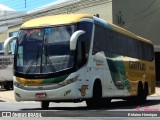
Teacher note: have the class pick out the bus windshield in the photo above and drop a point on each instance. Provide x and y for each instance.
(44, 50)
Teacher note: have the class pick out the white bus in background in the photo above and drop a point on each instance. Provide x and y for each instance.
(6, 66)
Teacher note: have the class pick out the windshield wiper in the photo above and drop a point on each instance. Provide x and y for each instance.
(48, 59)
(35, 60)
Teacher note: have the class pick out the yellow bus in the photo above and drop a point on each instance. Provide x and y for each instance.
(79, 57)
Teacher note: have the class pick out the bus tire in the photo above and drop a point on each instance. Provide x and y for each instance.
(11, 85)
(105, 102)
(96, 100)
(140, 95)
(44, 104)
(8, 85)
(145, 91)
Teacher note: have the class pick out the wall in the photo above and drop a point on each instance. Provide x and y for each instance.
(3, 36)
(139, 16)
(104, 9)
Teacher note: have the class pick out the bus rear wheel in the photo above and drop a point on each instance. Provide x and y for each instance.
(145, 92)
(140, 98)
(44, 104)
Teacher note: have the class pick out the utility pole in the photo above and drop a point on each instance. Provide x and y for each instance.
(25, 4)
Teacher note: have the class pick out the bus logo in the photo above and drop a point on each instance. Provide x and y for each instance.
(137, 66)
(98, 62)
(83, 89)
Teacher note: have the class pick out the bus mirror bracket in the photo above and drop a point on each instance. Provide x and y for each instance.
(6, 44)
(74, 38)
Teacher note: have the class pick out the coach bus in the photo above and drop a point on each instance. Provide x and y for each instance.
(79, 57)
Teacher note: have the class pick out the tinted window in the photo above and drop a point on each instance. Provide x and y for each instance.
(111, 41)
(87, 27)
(99, 40)
(1, 46)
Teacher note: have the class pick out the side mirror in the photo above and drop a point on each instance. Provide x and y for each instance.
(6, 44)
(74, 38)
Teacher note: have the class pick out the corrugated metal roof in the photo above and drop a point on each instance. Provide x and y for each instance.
(53, 5)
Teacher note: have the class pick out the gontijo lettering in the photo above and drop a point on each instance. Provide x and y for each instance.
(137, 66)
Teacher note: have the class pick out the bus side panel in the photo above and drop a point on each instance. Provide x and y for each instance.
(118, 73)
(140, 70)
(98, 69)
(126, 72)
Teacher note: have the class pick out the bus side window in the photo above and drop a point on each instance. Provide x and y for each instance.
(99, 40)
(81, 54)
(87, 27)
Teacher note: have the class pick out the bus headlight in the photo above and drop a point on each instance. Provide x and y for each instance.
(16, 84)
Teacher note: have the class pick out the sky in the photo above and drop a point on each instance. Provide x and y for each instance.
(19, 5)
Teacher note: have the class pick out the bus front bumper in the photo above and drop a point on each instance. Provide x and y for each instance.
(68, 92)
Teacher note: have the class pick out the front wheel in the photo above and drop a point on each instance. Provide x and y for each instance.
(96, 100)
(44, 104)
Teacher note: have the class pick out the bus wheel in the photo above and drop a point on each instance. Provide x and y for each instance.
(106, 102)
(96, 100)
(44, 104)
(8, 85)
(11, 85)
(145, 92)
(140, 95)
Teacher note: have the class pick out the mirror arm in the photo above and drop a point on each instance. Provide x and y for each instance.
(6, 44)
(74, 38)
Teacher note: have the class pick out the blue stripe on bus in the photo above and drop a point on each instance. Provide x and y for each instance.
(102, 23)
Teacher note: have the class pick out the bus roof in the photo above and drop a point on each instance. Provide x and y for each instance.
(128, 33)
(54, 20)
(73, 18)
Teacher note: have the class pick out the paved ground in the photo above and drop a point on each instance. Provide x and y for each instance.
(7, 96)
(72, 111)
